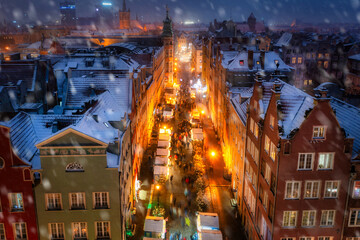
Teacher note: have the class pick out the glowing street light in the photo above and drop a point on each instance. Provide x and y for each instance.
(213, 154)
(158, 193)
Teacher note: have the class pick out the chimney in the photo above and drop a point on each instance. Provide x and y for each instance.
(262, 59)
(322, 95)
(277, 86)
(54, 127)
(250, 59)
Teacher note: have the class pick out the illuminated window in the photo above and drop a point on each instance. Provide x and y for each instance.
(16, 202)
(331, 189)
(325, 238)
(53, 201)
(306, 238)
(272, 121)
(20, 231)
(326, 161)
(310, 82)
(56, 231)
(319, 132)
(305, 161)
(256, 130)
(356, 191)
(101, 200)
(241, 62)
(292, 190)
(308, 218)
(252, 125)
(293, 60)
(267, 144)
(312, 189)
(79, 230)
(327, 218)
(289, 218)
(320, 55)
(299, 60)
(326, 64)
(102, 230)
(77, 201)
(268, 173)
(272, 151)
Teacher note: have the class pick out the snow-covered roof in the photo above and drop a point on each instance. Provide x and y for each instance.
(348, 117)
(115, 63)
(284, 40)
(355, 57)
(293, 103)
(81, 89)
(240, 62)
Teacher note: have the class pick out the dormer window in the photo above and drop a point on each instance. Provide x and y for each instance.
(241, 62)
(319, 132)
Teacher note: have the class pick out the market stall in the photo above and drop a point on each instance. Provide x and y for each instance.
(164, 144)
(161, 161)
(161, 173)
(154, 227)
(162, 152)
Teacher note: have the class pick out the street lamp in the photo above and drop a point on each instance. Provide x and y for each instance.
(158, 193)
(213, 153)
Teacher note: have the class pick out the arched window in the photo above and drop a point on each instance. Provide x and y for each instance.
(2, 163)
(74, 167)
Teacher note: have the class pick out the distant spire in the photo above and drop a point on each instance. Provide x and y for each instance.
(124, 6)
(167, 11)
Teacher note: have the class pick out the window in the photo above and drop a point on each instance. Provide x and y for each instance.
(319, 132)
(56, 231)
(251, 125)
(102, 230)
(2, 163)
(353, 238)
(306, 238)
(305, 161)
(325, 238)
(292, 190)
(312, 189)
(354, 218)
(331, 189)
(53, 201)
(267, 144)
(326, 64)
(77, 200)
(308, 218)
(74, 167)
(20, 231)
(256, 130)
(288, 238)
(265, 200)
(241, 62)
(299, 60)
(356, 190)
(272, 151)
(327, 217)
(293, 60)
(268, 173)
(272, 121)
(16, 202)
(2, 232)
(310, 82)
(289, 218)
(79, 230)
(101, 200)
(326, 161)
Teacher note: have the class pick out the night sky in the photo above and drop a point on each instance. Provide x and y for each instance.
(281, 11)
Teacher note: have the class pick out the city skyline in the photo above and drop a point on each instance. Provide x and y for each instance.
(282, 12)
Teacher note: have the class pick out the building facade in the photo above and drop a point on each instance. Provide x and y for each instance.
(297, 165)
(124, 17)
(17, 203)
(78, 196)
(168, 41)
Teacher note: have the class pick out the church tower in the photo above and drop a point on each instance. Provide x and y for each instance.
(168, 41)
(124, 17)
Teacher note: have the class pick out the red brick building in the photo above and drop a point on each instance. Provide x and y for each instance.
(17, 205)
(297, 167)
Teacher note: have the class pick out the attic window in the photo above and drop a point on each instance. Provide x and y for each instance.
(241, 62)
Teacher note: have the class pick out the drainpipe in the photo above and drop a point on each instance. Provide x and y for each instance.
(275, 190)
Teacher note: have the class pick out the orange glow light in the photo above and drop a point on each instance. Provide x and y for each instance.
(213, 154)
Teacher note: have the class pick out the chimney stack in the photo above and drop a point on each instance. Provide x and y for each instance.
(262, 59)
(250, 59)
